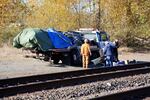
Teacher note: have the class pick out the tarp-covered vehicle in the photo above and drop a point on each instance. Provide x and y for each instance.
(54, 44)
(33, 38)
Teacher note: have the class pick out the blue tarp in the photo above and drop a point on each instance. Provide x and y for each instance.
(58, 39)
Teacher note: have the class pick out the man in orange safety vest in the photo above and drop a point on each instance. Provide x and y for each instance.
(86, 53)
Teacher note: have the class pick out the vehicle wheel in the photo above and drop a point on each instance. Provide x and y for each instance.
(66, 60)
(56, 61)
(75, 57)
(46, 58)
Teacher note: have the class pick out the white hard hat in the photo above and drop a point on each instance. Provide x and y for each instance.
(86, 40)
(116, 40)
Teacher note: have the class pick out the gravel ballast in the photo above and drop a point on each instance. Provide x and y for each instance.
(86, 91)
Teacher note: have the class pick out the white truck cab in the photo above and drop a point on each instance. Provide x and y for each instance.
(94, 35)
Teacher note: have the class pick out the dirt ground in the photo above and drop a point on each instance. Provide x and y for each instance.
(14, 64)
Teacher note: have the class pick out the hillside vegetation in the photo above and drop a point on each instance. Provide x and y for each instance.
(126, 20)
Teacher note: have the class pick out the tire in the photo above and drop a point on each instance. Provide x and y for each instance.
(56, 61)
(66, 60)
(75, 57)
(46, 58)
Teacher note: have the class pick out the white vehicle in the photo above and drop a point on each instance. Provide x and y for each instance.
(99, 37)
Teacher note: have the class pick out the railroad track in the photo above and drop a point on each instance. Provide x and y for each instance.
(132, 94)
(28, 84)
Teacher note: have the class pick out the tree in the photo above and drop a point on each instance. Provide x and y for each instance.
(126, 20)
(52, 13)
(10, 18)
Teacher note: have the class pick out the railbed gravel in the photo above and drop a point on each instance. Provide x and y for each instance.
(86, 91)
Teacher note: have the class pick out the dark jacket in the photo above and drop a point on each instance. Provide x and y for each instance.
(108, 49)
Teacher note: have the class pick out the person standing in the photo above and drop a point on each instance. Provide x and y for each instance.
(86, 53)
(116, 50)
(108, 52)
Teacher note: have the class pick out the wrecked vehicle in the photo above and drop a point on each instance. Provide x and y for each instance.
(58, 46)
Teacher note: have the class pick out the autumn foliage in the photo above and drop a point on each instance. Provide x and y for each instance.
(126, 20)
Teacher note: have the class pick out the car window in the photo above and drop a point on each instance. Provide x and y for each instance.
(104, 37)
(90, 36)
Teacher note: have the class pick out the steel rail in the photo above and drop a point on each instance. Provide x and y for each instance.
(132, 94)
(70, 81)
(62, 75)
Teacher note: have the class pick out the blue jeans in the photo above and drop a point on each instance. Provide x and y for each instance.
(109, 61)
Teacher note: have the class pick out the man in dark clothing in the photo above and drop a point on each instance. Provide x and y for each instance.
(116, 43)
(108, 52)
